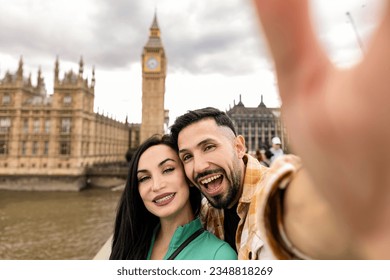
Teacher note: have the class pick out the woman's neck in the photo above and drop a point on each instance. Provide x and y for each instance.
(167, 229)
(170, 224)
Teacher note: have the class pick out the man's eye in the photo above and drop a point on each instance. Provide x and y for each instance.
(186, 157)
(209, 147)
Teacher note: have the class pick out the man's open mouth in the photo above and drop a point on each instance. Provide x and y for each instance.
(212, 184)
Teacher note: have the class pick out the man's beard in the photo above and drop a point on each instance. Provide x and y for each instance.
(223, 201)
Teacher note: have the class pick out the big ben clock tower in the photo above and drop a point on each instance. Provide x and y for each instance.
(154, 65)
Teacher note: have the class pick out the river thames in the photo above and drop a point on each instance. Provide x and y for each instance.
(55, 225)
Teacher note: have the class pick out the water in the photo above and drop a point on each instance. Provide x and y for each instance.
(55, 225)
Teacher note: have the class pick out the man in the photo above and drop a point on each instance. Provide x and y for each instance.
(338, 204)
(237, 186)
(276, 148)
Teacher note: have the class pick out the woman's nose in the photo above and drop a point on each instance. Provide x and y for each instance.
(157, 185)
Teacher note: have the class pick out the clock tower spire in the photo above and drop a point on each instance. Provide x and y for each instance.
(154, 65)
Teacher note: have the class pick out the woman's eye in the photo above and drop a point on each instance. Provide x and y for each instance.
(168, 170)
(143, 179)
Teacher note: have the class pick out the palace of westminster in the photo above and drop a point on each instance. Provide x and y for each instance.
(52, 139)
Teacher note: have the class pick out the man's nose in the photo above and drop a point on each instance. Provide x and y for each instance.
(200, 165)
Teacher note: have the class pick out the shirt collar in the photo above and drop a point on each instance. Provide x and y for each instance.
(180, 235)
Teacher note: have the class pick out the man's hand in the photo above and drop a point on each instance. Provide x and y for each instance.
(338, 120)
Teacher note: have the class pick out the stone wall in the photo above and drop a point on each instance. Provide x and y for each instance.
(43, 183)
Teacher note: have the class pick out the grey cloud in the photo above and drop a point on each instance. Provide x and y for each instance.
(207, 37)
(193, 42)
(220, 40)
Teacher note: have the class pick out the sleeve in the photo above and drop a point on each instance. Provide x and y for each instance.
(279, 177)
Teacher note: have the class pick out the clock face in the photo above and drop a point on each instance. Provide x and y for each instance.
(152, 63)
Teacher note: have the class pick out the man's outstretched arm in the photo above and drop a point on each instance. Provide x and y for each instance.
(339, 123)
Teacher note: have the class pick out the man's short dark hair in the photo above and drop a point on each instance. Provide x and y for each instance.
(192, 116)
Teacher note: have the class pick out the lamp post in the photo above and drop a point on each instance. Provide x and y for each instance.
(355, 30)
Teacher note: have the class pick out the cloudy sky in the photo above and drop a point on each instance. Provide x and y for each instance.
(215, 49)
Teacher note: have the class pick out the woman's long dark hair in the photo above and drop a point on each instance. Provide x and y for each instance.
(134, 224)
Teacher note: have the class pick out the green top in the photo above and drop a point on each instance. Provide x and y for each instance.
(205, 247)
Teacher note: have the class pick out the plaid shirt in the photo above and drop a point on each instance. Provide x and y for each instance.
(260, 233)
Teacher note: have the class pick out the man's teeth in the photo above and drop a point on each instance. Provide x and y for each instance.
(164, 198)
(208, 180)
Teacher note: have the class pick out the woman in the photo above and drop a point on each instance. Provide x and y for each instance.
(264, 156)
(158, 210)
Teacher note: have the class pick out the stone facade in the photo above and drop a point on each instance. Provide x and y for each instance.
(54, 136)
(258, 125)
